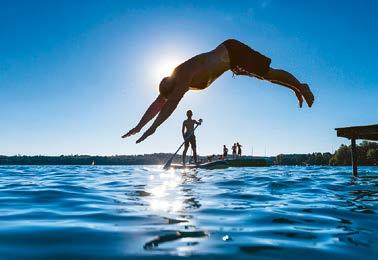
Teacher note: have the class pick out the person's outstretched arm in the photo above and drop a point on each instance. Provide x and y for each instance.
(183, 129)
(165, 112)
(151, 112)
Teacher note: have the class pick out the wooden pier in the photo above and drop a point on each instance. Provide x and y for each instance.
(369, 132)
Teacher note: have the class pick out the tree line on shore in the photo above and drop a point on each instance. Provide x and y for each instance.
(145, 159)
(367, 153)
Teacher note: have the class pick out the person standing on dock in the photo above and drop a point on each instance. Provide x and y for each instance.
(200, 71)
(225, 151)
(189, 137)
(239, 149)
(234, 151)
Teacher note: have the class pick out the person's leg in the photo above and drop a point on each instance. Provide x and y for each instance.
(194, 148)
(246, 61)
(184, 153)
(286, 79)
(195, 154)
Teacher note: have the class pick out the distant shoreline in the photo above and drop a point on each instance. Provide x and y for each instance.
(145, 159)
(367, 156)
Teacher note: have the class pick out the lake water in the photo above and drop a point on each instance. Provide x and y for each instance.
(143, 211)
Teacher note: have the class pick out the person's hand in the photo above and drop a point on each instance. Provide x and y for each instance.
(133, 131)
(146, 134)
(200, 121)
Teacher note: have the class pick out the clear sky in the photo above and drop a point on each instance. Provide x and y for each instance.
(76, 75)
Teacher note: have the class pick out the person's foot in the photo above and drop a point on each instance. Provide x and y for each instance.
(133, 131)
(307, 94)
(299, 97)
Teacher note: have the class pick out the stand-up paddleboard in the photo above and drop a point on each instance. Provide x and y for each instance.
(221, 164)
(208, 165)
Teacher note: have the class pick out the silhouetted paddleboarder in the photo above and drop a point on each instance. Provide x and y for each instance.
(200, 71)
(189, 137)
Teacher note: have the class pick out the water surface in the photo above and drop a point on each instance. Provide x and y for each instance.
(142, 211)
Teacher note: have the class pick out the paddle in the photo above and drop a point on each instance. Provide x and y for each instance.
(169, 162)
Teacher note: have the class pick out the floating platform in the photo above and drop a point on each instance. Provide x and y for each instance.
(251, 162)
(222, 164)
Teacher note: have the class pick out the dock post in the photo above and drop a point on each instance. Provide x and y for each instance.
(354, 157)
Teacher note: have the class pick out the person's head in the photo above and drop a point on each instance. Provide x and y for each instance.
(166, 86)
(189, 113)
(224, 146)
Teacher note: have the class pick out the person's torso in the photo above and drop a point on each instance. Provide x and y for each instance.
(206, 67)
(189, 126)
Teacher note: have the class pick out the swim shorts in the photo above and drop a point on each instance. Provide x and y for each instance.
(191, 140)
(246, 61)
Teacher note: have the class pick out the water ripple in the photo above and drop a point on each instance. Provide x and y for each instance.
(139, 211)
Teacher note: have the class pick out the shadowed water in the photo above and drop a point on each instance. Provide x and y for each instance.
(140, 211)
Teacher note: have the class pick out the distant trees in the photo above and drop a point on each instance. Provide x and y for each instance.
(367, 153)
(303, 159)
(342, 156)
(146, 159)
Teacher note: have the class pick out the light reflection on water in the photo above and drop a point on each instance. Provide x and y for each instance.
(165, 193)
(124, 211)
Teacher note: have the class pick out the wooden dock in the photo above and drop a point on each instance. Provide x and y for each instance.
(368, 132)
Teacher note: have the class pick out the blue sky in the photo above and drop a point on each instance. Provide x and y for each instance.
(76, 75)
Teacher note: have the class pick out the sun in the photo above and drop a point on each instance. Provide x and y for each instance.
(164, 67)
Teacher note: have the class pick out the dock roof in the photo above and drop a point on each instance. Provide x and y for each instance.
(368, 132)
